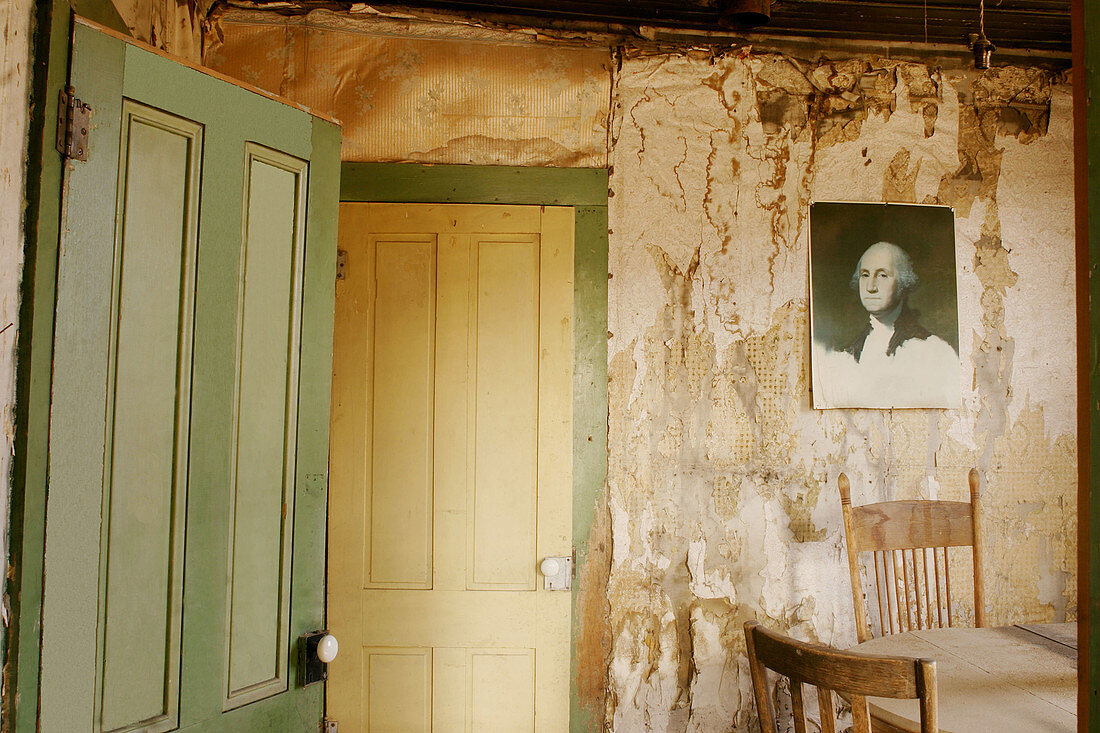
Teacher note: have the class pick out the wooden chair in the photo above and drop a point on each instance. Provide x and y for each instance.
(830, 670)
(900, 534)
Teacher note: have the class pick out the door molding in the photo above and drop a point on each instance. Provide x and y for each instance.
(585, 189)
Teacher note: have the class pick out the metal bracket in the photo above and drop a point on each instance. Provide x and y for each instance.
(329, 726)
(73, 123)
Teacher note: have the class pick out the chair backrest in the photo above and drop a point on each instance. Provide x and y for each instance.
(901, 535)
(853, 675)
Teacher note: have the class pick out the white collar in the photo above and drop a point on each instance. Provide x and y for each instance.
(886, 320)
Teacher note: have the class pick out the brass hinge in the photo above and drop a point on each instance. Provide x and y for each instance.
(73, 121)
(329, 726)
(341, 264)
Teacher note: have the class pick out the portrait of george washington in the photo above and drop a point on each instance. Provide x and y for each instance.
(883, 306)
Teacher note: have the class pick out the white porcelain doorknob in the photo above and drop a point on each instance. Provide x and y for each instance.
(549, 567)
(327, 648)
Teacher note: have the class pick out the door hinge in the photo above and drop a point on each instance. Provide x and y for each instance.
(73, 122)
(329, 726)
(341, 264)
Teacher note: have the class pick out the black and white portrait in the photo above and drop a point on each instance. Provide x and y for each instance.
(883, 306)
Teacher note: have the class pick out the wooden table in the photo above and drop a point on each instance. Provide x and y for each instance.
(1008, 679)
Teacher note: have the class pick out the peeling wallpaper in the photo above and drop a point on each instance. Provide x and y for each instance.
(423, 93)
(175, 26)
(721, 479)
(721, 502)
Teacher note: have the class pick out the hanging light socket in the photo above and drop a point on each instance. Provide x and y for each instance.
(982, 49)
(740, 14)
(979, 44)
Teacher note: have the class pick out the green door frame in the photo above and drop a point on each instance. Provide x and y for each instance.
(34, 352)
(585, 189)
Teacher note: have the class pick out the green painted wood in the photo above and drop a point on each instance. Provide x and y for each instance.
(34, 347)
(484, 184)
(149, 369)
(262, 505)
(315, 387)
(585, 189)
(301, 710)
(589, 411)
(69, 666)
(232, 119)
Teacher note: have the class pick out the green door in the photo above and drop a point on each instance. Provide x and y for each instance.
(185, 521)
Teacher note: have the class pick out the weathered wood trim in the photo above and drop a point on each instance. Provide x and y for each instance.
(1086, 144)
(472, 184)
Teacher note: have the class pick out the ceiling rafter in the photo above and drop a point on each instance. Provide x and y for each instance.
(1040, 26)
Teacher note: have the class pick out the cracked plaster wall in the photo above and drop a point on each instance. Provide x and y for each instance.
(17, 22)
(721, 500)
(428, 92)
(721, 479)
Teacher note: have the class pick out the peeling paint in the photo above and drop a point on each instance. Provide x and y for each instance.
(721, 478)
(16, 20)
(593, 614)
(721, 503)
(176, 26)
(427, 92)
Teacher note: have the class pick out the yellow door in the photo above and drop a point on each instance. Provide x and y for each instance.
(451, 468)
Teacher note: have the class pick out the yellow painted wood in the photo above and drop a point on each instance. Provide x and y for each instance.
(451, 218)
(502, 690)
(398, 689)
(399, 549)
(450, 691)
(452, 381)
(503, 344)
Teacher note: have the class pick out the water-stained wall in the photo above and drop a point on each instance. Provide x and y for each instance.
(175, 26)
(722, 480)
(721, 502)
(428, 92)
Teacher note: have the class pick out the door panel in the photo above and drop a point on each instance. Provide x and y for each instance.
(504, 347)
(398, 688)
(184, 439)
(262, 500)
(144, 484)
(451, 461)
(399, 545)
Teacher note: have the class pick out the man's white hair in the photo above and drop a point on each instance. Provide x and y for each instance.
(903, 264)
